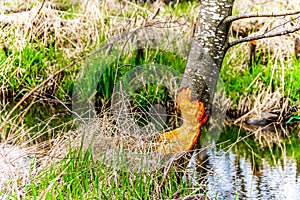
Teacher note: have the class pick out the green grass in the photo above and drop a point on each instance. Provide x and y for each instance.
(149, 92)
(242, 83)
(183, 8)
(28, 68)
(80, 177)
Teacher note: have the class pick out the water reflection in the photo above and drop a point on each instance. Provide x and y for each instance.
(233, 173)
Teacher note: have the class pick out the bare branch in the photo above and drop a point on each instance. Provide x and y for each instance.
(262, 36)
(230, 19)
(289, 21)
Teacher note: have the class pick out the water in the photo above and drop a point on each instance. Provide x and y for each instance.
(242, 172)
(231, 175)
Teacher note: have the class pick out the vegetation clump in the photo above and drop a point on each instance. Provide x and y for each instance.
(51, 40)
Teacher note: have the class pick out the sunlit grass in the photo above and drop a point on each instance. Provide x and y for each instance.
(79, 176)
(82, 177)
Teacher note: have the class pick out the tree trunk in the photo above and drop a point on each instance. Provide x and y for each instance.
(208, 50)
(204, 63)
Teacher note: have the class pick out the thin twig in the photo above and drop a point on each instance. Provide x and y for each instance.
(289, 21)
(38, 12)
(262, 36)
(156, 13)
(230, 19)
(72, 112)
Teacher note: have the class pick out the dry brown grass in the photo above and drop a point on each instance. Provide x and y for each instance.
(75, 33)
(266, 102)
(48, 26)
(81, 32)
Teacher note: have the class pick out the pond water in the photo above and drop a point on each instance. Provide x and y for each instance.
(241, 165)
(233, 174)
(248, 170)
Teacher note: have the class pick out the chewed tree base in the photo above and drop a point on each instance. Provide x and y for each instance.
(185, 137)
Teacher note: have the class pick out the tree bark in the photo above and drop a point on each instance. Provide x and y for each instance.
(208, 50)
